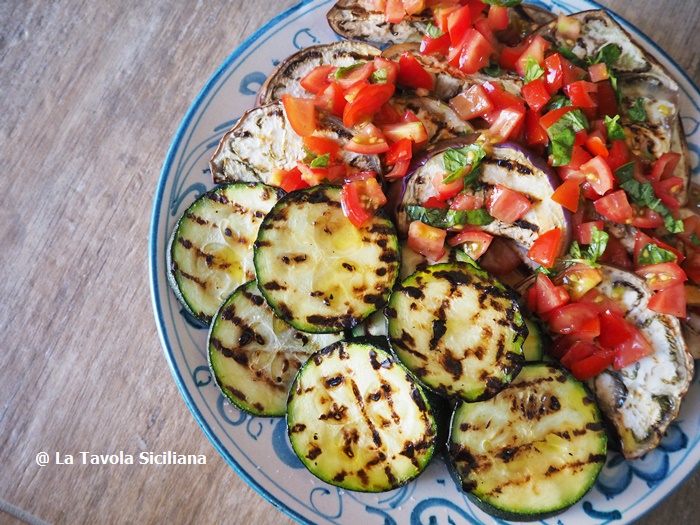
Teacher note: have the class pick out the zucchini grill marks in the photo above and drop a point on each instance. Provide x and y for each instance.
(458, 330)
(210, 252)
(532, 450)
(254, 355)
(319, 272)
(358, 420)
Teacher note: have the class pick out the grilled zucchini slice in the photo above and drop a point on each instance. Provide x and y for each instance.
(358, 420)
(532, 450)
(457, 329)
(211, 248)
(254, 356)
(317, 271)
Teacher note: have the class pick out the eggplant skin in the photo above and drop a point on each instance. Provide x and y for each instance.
(353, 20)
(286, 76)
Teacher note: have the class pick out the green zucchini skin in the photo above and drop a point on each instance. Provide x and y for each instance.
(319, 272)
(458, 330)
(358, 420)
(254, 356)
(532, 450)
(210, 252)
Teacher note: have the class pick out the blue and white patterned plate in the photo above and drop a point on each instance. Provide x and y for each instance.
(257, 448)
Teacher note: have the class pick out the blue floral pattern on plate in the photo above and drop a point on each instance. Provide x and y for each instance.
(257, 448)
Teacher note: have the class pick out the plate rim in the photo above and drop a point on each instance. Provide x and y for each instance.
(154, 255)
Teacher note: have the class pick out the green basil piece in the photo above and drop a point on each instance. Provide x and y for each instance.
(445, 218)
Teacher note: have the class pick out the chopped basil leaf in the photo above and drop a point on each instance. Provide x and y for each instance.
(556, 102)
(599, 241)
(562, 135)
(533, 70)
(615, 131)
(457, 159)
(321, 161)
(642, 194)
(448, 218)
(572, 57)
(652, 254)
(638, 111)
(694, 239)
(503, 3)
(342, 70)
(433, 31)
(609, 54)
(380, 76)
(492, 70)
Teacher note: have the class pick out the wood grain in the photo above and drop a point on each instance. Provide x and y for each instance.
(92, 94)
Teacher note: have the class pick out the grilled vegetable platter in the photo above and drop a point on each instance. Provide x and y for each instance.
(441, 262)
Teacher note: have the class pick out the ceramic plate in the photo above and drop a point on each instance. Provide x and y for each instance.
(257, 448)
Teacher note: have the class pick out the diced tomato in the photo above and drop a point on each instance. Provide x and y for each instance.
(438, 46)
(593, 365)
(614, 329)
(482, 25)
(500, 258)
(535, 94)
(458, 23)
(414, 131)
(553, 73)
(507, 123)
(641, 240)
(315, 176)
(349, 77)
(595, 144)
(413, 7)
(584, 231)
(292, 180)
(399, 170)
(546, 248)
(548, 295)
(510, 55)
(535, 134)
(319, 146)
(449, 190)
(441, 15)
(615, 206)
(579, 279)
(598, 72)
(646, 218)
(413, 74)
(607, 99)
(602, 302)
(473, 102)
(361, 199)
(467, 201)
(574, 350)
(317, 79)
(598, 175)
(369, 140)
(579, 319)
(664, 166)
(366, 103)
(691, 232)
(507, 205)
(331, 99)
(427, 240)
(570, 72)
(551, 117)
(618, 154)
(498, 17)
(632, 350)
(394, 11)
(535, 50)
(567, 194)
(475, 52)
(667, 190)
(473, 242)
(435, 202)
(691, 266)
(301, 114)
(670, 301)
(662, 275)
(579, 93)
(398, 151)
(501, 98)
(390, 68)
(387, 114)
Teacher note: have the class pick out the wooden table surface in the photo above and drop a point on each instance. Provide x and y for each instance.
(91, 96)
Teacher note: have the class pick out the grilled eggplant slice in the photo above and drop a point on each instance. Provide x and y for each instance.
(357, 419)
(458, 330)
(317, 271)
(507, 164)
(532, 450)
(286, 76)
(356, 20)
(211, 248)
(263, 141)
(254, 356)
(440, 120)
(656, 384)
